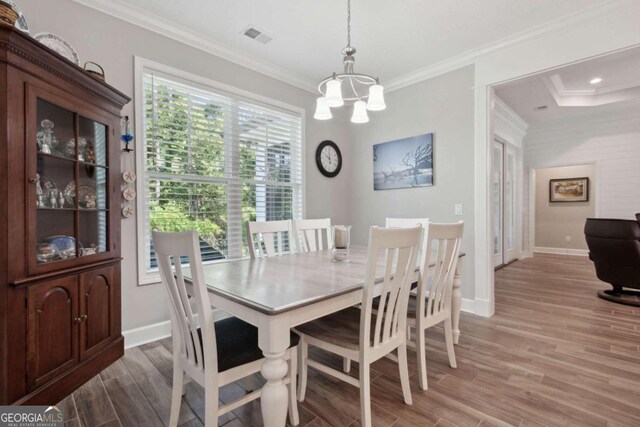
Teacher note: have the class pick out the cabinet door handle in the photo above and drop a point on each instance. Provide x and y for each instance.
(78, 319)
(84, 317)
(33, 180)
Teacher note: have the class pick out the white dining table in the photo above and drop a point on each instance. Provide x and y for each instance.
(276, 294)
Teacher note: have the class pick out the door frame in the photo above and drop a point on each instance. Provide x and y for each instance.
(575, 43)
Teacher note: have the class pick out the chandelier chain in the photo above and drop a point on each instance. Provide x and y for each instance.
(348, 23)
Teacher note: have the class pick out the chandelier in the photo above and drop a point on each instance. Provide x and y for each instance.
(364, 91)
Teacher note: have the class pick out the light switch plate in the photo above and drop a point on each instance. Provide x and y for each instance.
(458, 209)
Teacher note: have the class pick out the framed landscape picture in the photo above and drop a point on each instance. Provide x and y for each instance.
(569, 190)
(403, 163)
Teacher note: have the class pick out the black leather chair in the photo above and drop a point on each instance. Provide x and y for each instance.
(614, 248)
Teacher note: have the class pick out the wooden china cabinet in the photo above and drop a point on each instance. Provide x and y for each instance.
(59, 223)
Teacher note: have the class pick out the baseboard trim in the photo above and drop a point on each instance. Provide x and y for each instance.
(468, 305)
(561, 251)
(146, 334)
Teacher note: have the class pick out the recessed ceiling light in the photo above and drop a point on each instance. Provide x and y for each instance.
(595, 81)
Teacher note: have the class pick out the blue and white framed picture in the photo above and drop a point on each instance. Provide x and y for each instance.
(403, 163)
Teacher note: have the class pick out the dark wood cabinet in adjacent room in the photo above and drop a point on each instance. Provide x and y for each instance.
(59, 223)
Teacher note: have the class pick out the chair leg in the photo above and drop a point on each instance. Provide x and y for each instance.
(211, 408)
(176, 395)
(448, 337)
(303, 348)
(185, 381)
(422, 358)
(346, 365)
(365, 395)
(403, 366)
(293, 373)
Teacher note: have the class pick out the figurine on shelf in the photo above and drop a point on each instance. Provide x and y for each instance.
(53, 198)
(45, 137)
(61, 199)
(39, 193)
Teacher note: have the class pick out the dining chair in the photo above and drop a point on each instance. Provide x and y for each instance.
(412, 222)
(310, 231)
(270, 238)
(431, 304)
(213, 354)
(403, 223)
(361, 335)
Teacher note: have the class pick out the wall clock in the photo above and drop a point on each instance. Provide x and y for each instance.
(328, 159)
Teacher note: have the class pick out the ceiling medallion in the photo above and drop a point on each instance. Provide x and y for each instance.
(364, 91)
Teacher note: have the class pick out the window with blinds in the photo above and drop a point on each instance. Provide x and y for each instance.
(215, 161)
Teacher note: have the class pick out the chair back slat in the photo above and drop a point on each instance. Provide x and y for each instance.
(268, 238)
(412, 222)
(170, 248)
(399, 249)
(310, 234)
(436, 278)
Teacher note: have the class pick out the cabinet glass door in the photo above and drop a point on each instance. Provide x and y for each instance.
(71, 185)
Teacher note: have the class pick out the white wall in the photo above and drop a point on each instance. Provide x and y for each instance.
(611, 142)
(555, 221)
(113, 44)
(442, 105)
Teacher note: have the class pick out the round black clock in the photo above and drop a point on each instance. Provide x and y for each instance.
(328, 159)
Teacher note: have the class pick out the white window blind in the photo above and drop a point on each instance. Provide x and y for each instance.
(215, 161)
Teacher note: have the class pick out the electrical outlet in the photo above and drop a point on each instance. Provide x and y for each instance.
(567, 238)
(458, 209)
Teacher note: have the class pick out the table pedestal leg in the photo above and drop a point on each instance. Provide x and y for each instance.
(456, 303)
(274, 400)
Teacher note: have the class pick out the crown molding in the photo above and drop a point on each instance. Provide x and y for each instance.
(611, 7)
(144, 19)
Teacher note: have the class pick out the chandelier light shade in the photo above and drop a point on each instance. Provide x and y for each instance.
(364, 91)
(360, 112)
(334, 93)
(323, 112)
(376, 98)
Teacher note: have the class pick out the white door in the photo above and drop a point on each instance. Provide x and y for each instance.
(497, 193)
(504, 203)
(509, 202)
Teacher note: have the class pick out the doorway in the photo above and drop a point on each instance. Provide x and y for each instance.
(504, 203)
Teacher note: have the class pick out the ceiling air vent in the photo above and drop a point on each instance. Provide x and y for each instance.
(256, 34)
(540, 108)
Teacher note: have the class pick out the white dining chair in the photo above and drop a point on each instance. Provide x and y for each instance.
(310, 234)
(270, 238)
(213, 354)
(403, 223)
(431, 304)
(359, 334)
(412, 222)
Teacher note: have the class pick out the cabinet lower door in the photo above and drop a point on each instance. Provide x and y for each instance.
(52, 330)
(97, 308)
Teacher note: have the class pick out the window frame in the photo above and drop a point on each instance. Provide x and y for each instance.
(142, 66)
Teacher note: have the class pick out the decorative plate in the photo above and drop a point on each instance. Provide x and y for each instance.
(87, 197)
(21, 22)
(58, 45)
(128, 176)
(127, 211)
(129, 194)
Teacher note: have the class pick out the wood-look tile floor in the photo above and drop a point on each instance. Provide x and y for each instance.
(554, 354)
